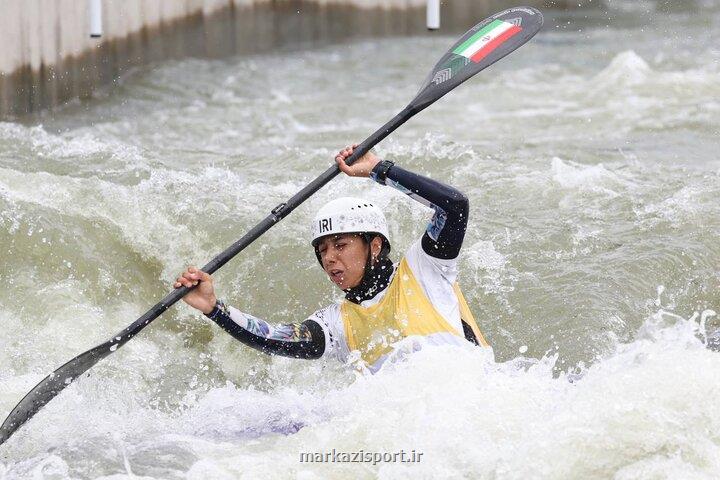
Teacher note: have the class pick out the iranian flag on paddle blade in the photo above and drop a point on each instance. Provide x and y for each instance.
(487, 39)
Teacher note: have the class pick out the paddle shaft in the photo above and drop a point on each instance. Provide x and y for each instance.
(277, 214)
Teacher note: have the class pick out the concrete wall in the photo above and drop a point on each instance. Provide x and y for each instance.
(47, 56)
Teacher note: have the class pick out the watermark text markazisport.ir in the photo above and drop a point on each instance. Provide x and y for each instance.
(361, 456)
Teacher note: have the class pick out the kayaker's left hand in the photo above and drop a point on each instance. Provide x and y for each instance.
(361, 168)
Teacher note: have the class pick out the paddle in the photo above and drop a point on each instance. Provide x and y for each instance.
(484, 44)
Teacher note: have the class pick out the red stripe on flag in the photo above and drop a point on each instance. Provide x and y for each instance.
(496, 42)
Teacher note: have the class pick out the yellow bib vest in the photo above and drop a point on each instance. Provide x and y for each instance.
(405, 310)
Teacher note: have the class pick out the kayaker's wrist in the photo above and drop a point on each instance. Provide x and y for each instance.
(213, 309)
(380, 171)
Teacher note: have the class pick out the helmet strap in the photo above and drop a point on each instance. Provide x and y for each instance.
(376, 276)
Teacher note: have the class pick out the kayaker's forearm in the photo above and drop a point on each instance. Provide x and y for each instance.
(446, 231)
(297, 340)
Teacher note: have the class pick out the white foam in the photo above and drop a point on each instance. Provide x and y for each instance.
(484, 418)
(626, 69)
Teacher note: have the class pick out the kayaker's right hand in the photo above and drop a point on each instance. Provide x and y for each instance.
(203, 296)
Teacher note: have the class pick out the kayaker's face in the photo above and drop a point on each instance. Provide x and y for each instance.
(343, 258)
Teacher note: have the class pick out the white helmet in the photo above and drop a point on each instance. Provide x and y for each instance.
(349, 215)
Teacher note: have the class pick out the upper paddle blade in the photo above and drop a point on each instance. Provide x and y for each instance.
(484, 44)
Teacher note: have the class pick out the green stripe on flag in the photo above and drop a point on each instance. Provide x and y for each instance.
(491, 26)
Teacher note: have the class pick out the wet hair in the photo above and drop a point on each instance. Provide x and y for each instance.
(384, 249)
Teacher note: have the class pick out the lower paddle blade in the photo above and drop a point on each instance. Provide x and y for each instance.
(484, 44)
(50, 387)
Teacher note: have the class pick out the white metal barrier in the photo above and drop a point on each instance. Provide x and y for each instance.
(95, 7)
(433, 14)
